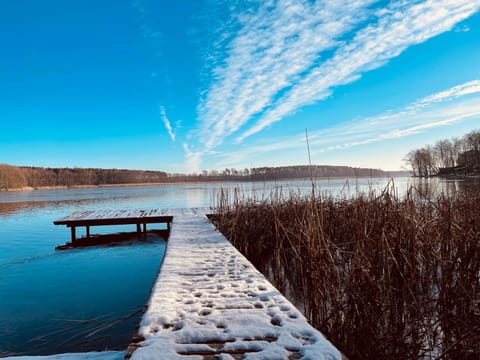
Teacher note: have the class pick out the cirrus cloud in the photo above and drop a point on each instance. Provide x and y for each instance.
(292, 53)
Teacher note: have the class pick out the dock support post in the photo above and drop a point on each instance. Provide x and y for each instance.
(138, 229)
(74, 236)
(144, 227)
(88, 232)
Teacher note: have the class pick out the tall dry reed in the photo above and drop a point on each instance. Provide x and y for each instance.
(382, 277)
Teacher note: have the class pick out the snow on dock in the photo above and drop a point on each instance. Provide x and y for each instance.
(209, 302)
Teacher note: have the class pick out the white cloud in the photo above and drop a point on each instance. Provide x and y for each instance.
(193, 159)
(291, 53)
(445, 108)
(467, 88)
(396, 124)
(372, 46)
(271, 51)
(463, 28)
(166, 122)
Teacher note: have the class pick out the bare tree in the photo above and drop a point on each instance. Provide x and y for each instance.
(443, 150)
(472, 140)
(11, 177)
(429, 160)
(411, 162)
(457, 144)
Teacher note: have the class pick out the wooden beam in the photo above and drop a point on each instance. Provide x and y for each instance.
(74, 236)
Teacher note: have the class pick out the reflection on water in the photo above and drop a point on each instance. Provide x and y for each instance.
(89, 299)
(9, 208)
(75, 300)
(78, 300)
(432, 187)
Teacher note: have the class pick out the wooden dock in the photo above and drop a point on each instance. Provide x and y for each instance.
(89, 218)
(209, 302)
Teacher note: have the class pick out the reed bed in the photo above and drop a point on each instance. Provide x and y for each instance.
(381, 276)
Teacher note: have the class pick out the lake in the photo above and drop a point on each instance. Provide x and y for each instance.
(90, 299)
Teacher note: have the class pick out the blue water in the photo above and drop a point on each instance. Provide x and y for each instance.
(90, 299)
(83, 299)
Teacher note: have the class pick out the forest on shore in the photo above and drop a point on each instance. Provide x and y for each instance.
(24, 177)
(458, 156)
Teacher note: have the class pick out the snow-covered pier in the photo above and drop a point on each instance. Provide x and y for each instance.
(209, 302)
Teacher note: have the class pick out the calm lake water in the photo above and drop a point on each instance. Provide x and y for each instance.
(90, 299)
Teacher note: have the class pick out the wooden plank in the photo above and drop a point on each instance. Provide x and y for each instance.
(113, 217)
(89, 218)
(109, 214)
(118, 221)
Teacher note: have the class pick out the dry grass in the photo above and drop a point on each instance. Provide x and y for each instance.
(381, 276)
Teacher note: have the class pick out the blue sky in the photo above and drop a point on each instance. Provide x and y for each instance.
(188, 85)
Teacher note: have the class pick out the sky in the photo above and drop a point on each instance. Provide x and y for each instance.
(192, 85)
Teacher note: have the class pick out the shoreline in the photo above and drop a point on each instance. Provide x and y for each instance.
(459, 177)
(196, 182)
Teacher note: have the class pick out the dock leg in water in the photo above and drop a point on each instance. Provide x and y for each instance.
(74, 236)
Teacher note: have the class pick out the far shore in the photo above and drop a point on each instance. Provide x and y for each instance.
(197, 182)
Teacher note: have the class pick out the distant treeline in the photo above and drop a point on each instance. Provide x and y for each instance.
(17, 177)
(279, 173)
(456, 156)
(14, 177)
(304, 172)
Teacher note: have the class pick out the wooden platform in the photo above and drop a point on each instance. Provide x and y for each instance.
(89, 218)
(209, 302)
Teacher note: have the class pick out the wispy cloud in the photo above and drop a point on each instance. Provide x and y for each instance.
(166, 122)
(289, 54)
(274, 47)
(444, 108)
(470, 87)
(192, 159)
(463, 28)
(398, 28)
